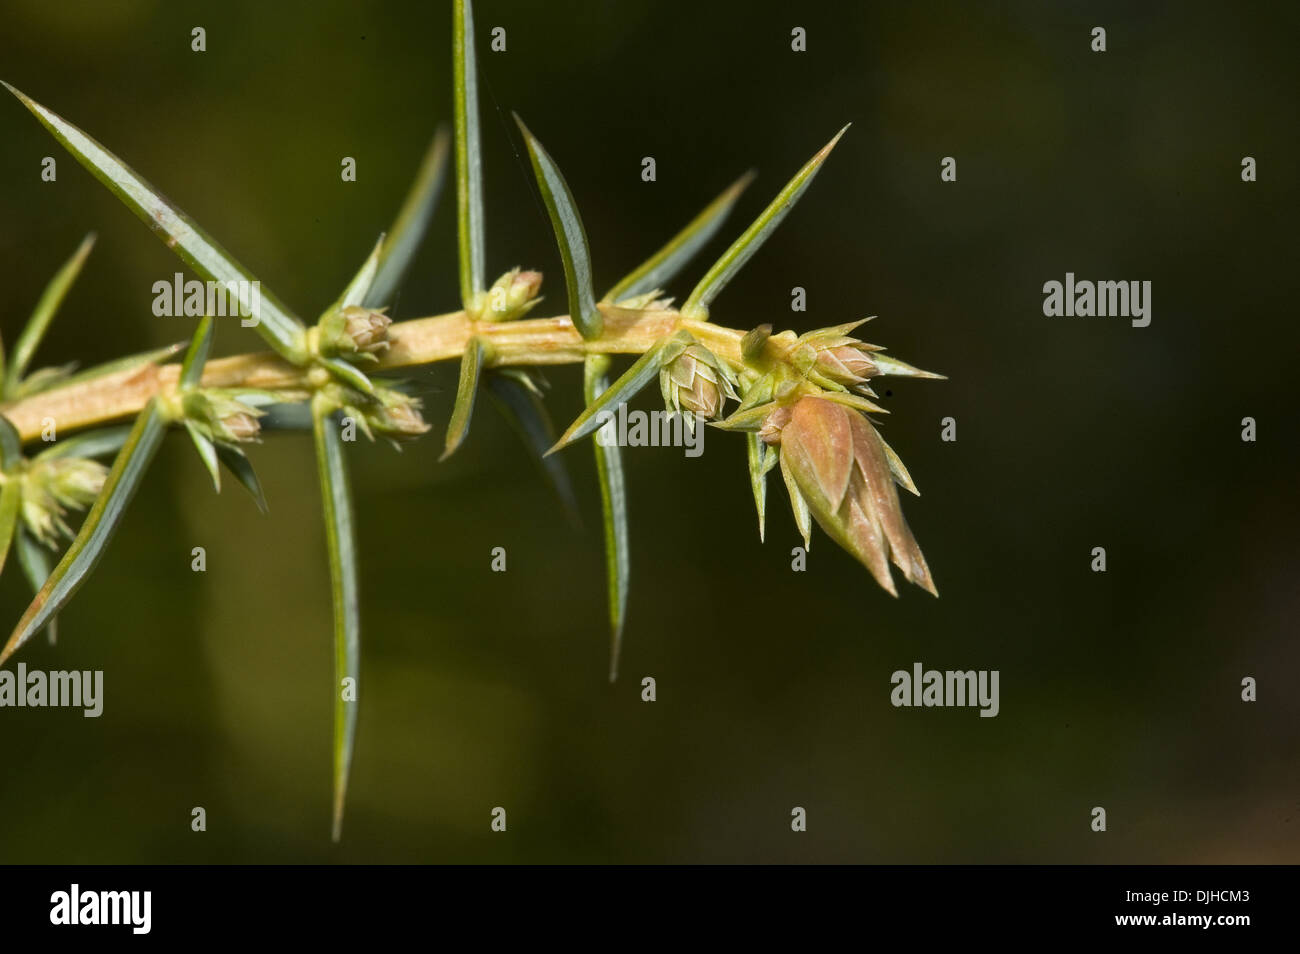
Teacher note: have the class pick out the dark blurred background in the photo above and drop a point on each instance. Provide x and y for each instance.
(1119, 689)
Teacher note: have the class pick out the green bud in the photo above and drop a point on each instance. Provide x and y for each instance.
(43, 379)
(43, 516)
(75, 481)
(511, 296)
(221, 416)
(53, 487)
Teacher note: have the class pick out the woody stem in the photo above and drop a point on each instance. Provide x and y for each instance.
(537, 341)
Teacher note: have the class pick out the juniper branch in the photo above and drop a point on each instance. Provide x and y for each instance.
(418, 341)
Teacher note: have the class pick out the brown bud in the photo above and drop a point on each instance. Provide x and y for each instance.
(832, 358)
(848, 364)
(364, 330)
(397, 417)
(770, 432)
(403, 421)
(238, 427)
(691, 382)
(839, 463)
(220, 414)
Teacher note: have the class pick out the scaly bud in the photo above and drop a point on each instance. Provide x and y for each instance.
(511, 296)
(402, 422)
(834, 360)
(43, 515)
(354, 332)
(237, 428)
(393, 414)
(221, 416)
(770, 432)
(839, 465)
(74, 481)
(366, 329)
(846, 363)
(697, 382)
(53, 487)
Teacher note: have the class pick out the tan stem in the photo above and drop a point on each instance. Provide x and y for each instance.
(535, 341)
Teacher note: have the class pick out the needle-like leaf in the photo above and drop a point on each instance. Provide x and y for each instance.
(35, 561)
(276, 323)
(359, 287)
(9, 499)
(42, 379)
(854, 401)
(41, 317)
(287, 417)
(348, 373)
(130, 363)
(207, 453)
(901, 369)
(469, 163)
(191, 374)
(734, 258)
(528, 416)
(899, 470)
(242, 468)
(643, 371)
(471, 369)
(11, 445)
(11, 495)
(613, 505)
(96, 443)
(569, 235)
(411, 224)
(197, 354)
(761, 460)
(11, 492)
(660, 269)
(100, 524)
(336, 499)
(746, 418)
